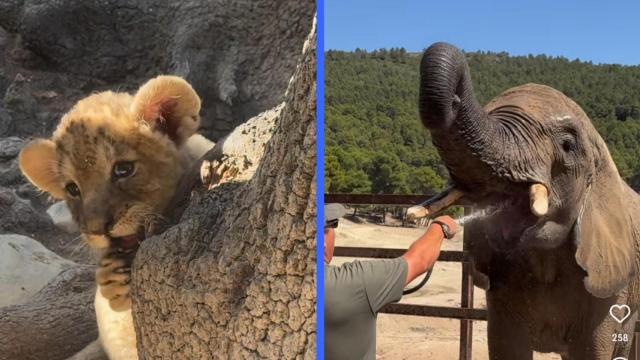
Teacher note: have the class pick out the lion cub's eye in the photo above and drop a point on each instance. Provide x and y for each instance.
(123, 169)
(72, 189)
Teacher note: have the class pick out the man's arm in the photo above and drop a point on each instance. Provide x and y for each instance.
(381, 281)
(424, 252)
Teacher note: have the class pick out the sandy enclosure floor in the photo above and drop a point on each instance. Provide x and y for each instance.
(415, 337)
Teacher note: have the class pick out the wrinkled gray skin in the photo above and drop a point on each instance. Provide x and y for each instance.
(551, 280)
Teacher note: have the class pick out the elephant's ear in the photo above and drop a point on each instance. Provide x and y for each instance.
(606, 238)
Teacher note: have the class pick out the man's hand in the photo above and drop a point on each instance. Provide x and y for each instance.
(424, 252)
(451, 224)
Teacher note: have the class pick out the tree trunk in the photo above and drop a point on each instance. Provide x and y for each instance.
(56, 323)
(236, 277)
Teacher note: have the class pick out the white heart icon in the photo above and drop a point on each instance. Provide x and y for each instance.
(626, 312)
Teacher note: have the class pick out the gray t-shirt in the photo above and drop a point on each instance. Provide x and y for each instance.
(354, 293)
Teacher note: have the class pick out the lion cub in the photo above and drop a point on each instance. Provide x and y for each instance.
(116, 160)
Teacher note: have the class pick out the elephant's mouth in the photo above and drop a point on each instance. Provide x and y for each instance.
(509, 221)
(509, 218)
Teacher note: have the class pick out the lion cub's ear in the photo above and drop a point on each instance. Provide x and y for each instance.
(169, 105)
(38, 162)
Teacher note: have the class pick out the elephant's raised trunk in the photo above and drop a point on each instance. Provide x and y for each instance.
(445, 87)
(464, 134)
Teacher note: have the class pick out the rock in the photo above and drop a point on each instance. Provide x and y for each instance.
(45, 94)
(29, 218)
(18, 216)
(6, 121)
(61, 217)
(22, 107)
(18, 95)
(3, 37)
(10, 147)
(26, 266)
(38, 199)
(238, 55)
(10, 173)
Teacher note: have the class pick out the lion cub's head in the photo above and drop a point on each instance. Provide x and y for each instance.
(115, 158)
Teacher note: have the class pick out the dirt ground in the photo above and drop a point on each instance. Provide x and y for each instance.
(415, 337)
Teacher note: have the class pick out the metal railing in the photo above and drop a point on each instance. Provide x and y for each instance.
(466, 313)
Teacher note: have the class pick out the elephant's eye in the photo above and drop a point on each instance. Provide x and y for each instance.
(569, 149)
(568, 145)
(567, 137)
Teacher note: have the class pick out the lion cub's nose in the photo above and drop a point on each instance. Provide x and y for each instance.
(97, 226)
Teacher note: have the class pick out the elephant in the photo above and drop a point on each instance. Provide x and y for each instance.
(556, 242)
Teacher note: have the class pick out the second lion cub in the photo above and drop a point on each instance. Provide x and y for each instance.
(116, 160)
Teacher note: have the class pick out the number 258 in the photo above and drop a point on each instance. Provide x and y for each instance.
(620, 337)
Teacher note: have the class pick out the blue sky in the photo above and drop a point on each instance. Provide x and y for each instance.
(599, 31)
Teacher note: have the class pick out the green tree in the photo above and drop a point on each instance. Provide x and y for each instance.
(376, 143)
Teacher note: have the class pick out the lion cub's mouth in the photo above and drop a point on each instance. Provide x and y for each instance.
(128, 242)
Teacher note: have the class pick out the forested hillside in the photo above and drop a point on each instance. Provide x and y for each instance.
(375, 142)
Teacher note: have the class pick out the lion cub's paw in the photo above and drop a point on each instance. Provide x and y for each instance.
(214, 173)
(113, 276)
(155, 225)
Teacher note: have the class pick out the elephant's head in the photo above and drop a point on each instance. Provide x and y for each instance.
(533, 159)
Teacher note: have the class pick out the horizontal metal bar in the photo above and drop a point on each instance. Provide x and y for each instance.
(444, 312)
(435, 311)
(376, 199)
(379, 253)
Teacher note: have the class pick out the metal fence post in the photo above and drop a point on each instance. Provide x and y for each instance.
(466, 301)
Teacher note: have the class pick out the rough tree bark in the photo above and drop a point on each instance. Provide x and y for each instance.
(236, 277)
(57, 322)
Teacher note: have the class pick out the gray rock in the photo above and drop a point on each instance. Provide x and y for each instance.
(29, 218)
(18, 95)
(10, 147)
(6, 122)
(18, 216)
(38, 199)
(238, 55)
(26, 266)
(61, 217)
(3, 37)
(10, 173)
